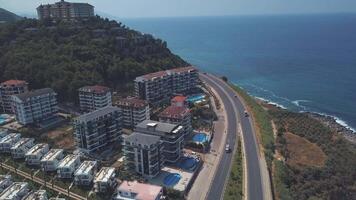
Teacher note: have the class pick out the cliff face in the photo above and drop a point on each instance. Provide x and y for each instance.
(67, 55)
(7, 16)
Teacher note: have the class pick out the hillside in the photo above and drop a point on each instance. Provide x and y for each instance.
(7, 16)
(68, 55)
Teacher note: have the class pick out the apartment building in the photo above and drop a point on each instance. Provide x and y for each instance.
(144, 153)
(50, 161)
(97, 129)
(67, 166)
(171, 135)
(3, 132)
(133, 110)
(105, 180)
(35, 106)
(16, 191)
(65, 10)
(160, 86)
(5, 181)
(36, 195)
(178, 115)
(8, 141)
(20, 148)
(84, 175)
(35, 154)
(9, 88)
(94, 97)
(134, 190)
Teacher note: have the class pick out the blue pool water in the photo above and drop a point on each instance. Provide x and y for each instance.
(172, 179)
(2, 119)
(195, 98)
(200, 137)
(189, 164)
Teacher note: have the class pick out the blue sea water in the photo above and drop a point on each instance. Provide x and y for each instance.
(301, 62)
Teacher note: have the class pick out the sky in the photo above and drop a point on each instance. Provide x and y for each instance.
(174, 8)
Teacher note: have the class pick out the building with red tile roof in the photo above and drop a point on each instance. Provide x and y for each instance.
(179, 101)
(133, 110)
(94, 97)
(177, 115)
(8, 88)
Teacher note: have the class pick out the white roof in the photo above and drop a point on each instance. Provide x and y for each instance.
(104, 174)
(4, 178)
(37, 149)
(12, 190)
(10, 138)
(68, 161)
(86, 167)
(22, 142)
(52, 154)
(36, 195)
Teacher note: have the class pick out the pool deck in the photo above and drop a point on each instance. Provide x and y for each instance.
(181, 185)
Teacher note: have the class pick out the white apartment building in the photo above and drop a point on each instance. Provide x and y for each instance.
(133, 110)
(35, 154)
(50, 161)
(105, 180)
(8, 88)
(16, 191)
(36, 195)
(8, 141)
(20, 148)
(35, 106)
(5, 181)
(94, 97)
(84, 175)
(67, 166)
(138, 191)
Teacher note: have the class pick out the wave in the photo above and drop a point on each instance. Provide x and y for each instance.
(337, 120)
(270, 102)
(298, 103)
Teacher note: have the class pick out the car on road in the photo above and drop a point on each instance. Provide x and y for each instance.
(227, 148)
(235, 96)
(246, 113)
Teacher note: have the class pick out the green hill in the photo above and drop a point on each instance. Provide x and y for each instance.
(7, 16)
(68, 55)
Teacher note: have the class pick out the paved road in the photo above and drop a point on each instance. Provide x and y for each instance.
(235, 115)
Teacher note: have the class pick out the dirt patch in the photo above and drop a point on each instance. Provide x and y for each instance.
(303, 153)
(62, 137)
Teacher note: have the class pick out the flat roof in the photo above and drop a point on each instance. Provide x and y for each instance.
(95, 89)
(4, 177)
(131, 102)
(34, 93)
(52, 154)
(68, 160)
(10, 137)
(86, 167)
(158, 126)
(160, 74)
(97, 113)
(37, 148)
(104, 174)
(142, 190)
(22, 142)
(12, 190)
(36, 195)
(143, 139)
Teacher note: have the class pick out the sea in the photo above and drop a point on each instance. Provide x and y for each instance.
(300, 62)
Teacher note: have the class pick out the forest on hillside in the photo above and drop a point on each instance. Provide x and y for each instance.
(67, 55)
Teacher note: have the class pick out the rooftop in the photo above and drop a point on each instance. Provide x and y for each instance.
(97, 113)
(36, 195)
(131, 102)
(21, 142)
(68, 161)
(142, 139)
(179, 99)
(37, 148)
(174, 112)
(12, 190)
(157, 126)
(160, 74)
(104, 174)
(13, 82)
(143, 191)
(184, 69)
(10, 137)
(95, 89)
(34, 93)
(86, 167)
(52, 154)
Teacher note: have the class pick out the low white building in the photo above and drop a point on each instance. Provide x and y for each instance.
(68, 165)
(137, 191)
(84, 175)
(5, 181)
(50, 161)
(8, 141)
(35, 154)
(15, 191)
(20, 148)
(36, 195)
(105, 179)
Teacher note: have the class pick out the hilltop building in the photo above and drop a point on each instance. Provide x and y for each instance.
(133, 110)
(135, 190)
(84, 175)
(160, 86)
(20, 148)
(65, 10)
(35, 106)
(67, 166)
(8, 88)
(105, 180)
(94, 97)
(97, 129)
(34, 155)
(50, 161)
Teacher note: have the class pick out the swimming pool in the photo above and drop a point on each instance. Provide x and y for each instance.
(200, 138)
(172, 179)
(3, 119)
(195, 98)
(189, 164)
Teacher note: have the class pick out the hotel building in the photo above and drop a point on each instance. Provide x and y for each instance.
(8, 141)
(34, 155)
(144, 153)
(133, 110)
(135, 190)
(84, 175)
(65, 10)
(105, 180)
(20, 148)
(50, 161)
(35, 106)
(8, 88)
(94, 97)
(16, 191)
(160, 86)
(67, 166)
(97, 129)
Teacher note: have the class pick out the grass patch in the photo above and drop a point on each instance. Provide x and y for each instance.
(281, 181)
(234, 186)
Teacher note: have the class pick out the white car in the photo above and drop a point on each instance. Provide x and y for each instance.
(227, 148)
